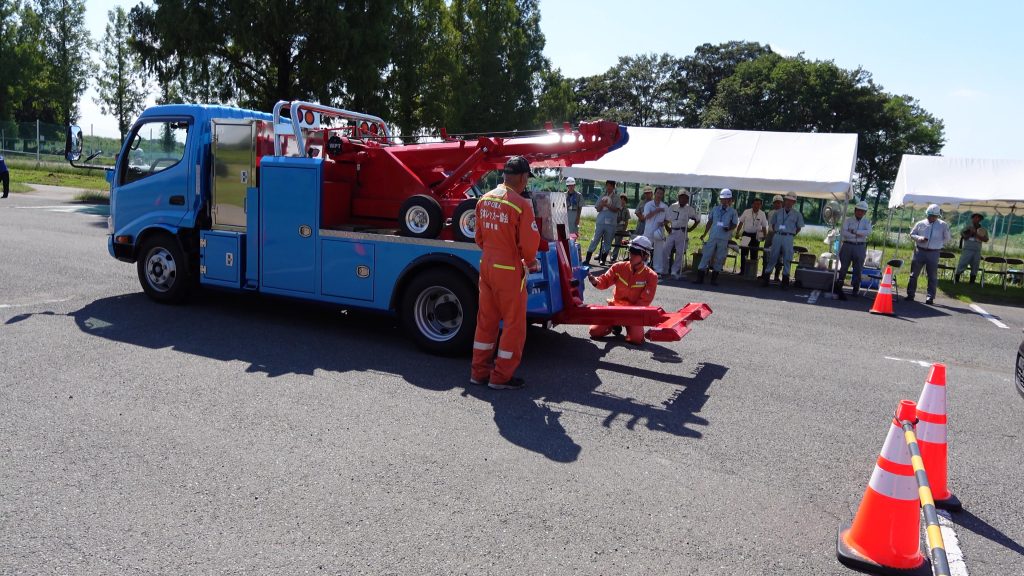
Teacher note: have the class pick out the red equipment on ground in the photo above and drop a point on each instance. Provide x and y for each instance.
(372, 181)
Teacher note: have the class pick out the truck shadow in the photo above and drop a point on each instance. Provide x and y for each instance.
(277, 337)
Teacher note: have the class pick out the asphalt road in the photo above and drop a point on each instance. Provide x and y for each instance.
(250, 435)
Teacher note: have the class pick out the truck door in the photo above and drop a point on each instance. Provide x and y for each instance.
(152, 182)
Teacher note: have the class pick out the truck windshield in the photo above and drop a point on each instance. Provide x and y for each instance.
(155, 147)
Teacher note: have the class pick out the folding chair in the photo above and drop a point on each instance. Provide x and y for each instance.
(1014, 272)
(896, 264)
(943, 257)
(998, 267)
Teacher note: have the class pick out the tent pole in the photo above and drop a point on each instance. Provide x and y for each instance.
(899, 232)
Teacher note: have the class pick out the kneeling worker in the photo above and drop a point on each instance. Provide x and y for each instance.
(635, 285)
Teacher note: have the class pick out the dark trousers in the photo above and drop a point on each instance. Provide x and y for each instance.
(5, 176)
(749, 252)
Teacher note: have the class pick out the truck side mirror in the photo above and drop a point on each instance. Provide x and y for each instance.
(73, 144)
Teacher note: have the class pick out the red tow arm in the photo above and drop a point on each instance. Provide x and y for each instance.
(666, 326)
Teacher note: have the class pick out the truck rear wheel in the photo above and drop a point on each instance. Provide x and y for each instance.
(464, 220)
(163, 271)
(439, 312)
(420, 217)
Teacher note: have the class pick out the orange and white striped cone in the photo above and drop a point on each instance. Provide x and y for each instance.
(885, 537)
(883, 299)
(931, 437)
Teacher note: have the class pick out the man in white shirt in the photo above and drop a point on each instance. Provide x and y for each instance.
(854, 233)
(654, 227)
(753, 225)
(644, 201)
(929, 236)
(678, 221)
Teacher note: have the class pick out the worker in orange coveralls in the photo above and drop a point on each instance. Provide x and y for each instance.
(506, 231)
(635, 285)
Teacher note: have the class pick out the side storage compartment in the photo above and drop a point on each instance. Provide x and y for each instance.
(221, 258)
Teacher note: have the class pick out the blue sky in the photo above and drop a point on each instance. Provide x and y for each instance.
(963, 61)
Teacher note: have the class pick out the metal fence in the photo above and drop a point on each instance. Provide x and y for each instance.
(42, 142)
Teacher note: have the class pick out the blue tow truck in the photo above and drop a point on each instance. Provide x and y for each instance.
(207, 195)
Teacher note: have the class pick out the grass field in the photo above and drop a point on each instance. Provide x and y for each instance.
(25, 173)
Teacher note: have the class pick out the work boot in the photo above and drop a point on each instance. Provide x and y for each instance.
(765, 279)
(778, 270)
(617, 330)
(700, 276)
(956, 278)
(714, 278)
(589, 256)
(838, 289)
(603, 258)
(515, 383)
(973, 278)
(785, 282)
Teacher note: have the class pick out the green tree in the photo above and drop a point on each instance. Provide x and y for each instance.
(255, 54)
(638, 91)
(556, 101)
(68, 49)
(795, 94)
(120, 80)
(499, 64)
(421, 69)
(697, 76)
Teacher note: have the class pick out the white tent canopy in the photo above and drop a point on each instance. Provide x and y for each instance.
(812, 165)
(959, 183)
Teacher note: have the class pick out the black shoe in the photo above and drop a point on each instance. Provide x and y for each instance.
(714, 278)
(785, 282)
(515, 383)
(840, 294)
(603, 258)
(909, 298)
(956, 278)
(700, 277)
(929, 300)
(764, 280)
(478, 382)
(617, 330)
(589, 256)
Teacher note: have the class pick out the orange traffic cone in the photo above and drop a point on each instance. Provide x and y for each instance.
(883, 300)
(931, 437)
(885, 537)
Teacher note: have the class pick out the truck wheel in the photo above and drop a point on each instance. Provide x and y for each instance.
(439, 312)
(163, 271)
(420, 217)
(465, 220)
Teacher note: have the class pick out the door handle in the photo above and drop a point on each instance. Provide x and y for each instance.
(178, 200)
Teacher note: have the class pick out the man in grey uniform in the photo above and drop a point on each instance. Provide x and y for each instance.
(641, 228)
(608, 207)
(786, 224)
(972, 238)
(855, 232)
(929, 236)
(573, 205)
(721, 221)
(678, 220)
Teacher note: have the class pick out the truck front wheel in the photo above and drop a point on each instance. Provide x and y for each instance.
(439, 312)
(163, 271)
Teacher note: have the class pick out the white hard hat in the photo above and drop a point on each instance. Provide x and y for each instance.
(570, 181)
(933, 210)
(726, 193)
(641, 242)
(791, 196)
(862, 205)
(776, 198)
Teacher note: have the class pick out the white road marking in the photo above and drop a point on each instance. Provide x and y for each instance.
(62, 208)
(957, 566)
(920, 363)
(35, 303)
(813, 297)
(981, 312)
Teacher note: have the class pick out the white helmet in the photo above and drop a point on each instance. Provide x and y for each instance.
(570, 181)
(862, 205)
(641, 243)
(933, 210)
(791, 196)
(726, 193)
